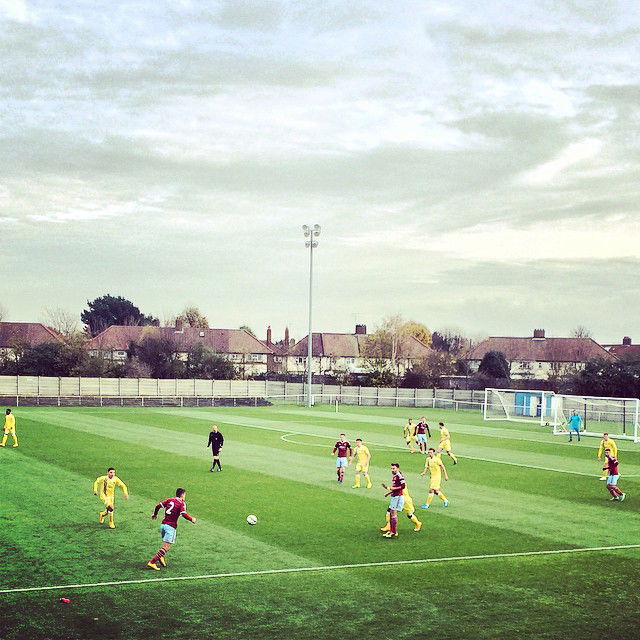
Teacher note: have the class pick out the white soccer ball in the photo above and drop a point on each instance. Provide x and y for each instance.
(252, 520)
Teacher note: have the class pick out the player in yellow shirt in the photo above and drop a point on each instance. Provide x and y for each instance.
(363, 457)
(9, 429)
(409, 433)
(445, 442)
(607, 443)
(434, 465)
(107, 486)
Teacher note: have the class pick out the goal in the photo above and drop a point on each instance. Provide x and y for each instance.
(617, 416)
(518, 405)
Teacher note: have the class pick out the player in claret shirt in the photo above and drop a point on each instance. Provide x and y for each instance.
(422, 429)
(342, 446)
(173, 509)
(396, 502)
(611, 466)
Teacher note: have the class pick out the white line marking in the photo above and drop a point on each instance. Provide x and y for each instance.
(286, 438)
(388, 563)
(395, 447)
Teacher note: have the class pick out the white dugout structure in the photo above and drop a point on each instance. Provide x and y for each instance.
(619, 417)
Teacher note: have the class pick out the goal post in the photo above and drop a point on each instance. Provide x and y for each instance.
(518, 405)
(619, 417)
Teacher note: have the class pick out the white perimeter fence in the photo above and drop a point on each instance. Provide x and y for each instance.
(78, 391)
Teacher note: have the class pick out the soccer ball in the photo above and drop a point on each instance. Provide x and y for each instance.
(252, 520)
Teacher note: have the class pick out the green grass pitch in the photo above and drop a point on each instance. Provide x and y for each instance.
(516, 489)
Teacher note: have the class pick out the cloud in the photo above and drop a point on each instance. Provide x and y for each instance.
(437, 143)
(15, 10)
(576, 153)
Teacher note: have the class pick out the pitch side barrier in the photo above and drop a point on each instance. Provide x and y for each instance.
(335, 400)
(151, 401)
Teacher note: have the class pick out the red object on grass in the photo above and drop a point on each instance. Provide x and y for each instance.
(65, 600)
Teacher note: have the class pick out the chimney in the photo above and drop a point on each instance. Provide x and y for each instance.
(286, 335)
(361, 329)
(538, 334)
(179, 325)
(626, 341)
(269, 334)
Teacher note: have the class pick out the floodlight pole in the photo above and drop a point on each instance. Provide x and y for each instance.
(311, 233)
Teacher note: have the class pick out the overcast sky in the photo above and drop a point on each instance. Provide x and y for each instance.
(472, 164)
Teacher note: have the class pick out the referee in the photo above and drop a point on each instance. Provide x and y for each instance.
(215, 442)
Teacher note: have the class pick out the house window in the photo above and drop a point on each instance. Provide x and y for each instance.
(277, 358)
(256, 357)
(300, 360)
(539, 365)
(121, 353)
(350, 360)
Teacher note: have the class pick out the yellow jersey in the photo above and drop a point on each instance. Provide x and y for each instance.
(9, 422)
(433, 465)
(108, 486)
(444, 434)
(363, 454)
(409, 430)
(608, 444)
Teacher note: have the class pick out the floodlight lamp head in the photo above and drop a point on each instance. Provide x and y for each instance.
(306, 230)
(316, 229)
(307, 244)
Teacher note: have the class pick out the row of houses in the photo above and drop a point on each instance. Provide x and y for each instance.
(537, 356)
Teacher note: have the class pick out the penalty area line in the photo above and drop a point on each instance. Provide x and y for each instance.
(363, 565)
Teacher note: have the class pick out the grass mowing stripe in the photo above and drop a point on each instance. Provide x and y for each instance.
(334, 567)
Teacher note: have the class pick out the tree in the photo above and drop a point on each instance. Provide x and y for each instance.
(581, 332)
(449, 341)
(61, 320)
(2, 312)
(192, 317)
(109, 310)
(427, 372)
(417, 330)
(386, 347)
(49, 359)
(494, 365)
(244, 327)
(203, 362)
(160, 354)
(605, 378)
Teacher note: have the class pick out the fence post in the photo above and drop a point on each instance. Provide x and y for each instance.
(38, 387)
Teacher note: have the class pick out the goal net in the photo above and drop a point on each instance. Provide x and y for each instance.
(518, 405)
(615, 416)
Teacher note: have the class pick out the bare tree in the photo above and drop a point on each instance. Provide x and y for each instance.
(61, 320)
(2, 312)
(581, 332)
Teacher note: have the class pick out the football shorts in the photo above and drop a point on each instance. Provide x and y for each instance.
(422, 437)
(396, 503)
(341, 462)
(168, 533)
(362, 467)
(613, 479)
(435, 482)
